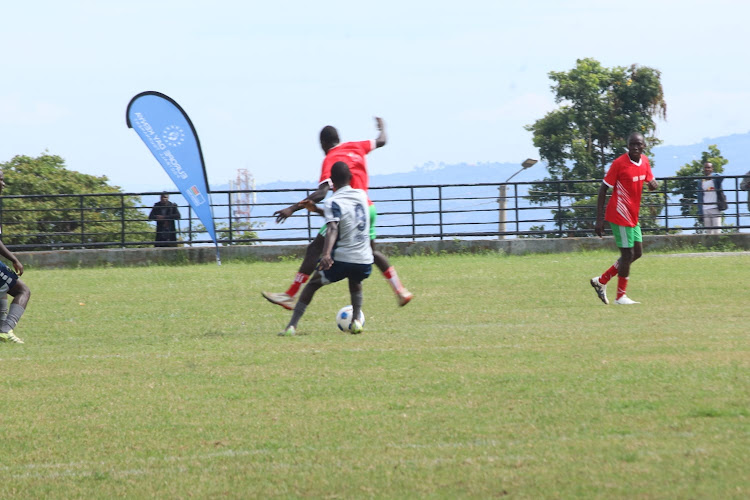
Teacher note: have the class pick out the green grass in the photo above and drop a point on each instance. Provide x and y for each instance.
(504, 377)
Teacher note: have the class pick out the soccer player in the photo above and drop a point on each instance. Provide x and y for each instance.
(348, 228)
(353, 154)
(626, 177)
(10, 283)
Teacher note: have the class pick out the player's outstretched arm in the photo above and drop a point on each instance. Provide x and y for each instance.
(599, 227)
(381, 139)
(320, 193)
(285, 213)
(312, 207)
(315, 197)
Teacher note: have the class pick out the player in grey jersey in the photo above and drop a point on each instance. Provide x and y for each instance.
(347, 252)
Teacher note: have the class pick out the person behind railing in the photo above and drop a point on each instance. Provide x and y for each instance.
(165, 213)
(354, 155)
(626, 177)
(745, 186)
(711, 199)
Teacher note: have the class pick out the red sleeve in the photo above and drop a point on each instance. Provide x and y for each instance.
(325, 172)
(611, 178)
(367, 145)
(649, 173)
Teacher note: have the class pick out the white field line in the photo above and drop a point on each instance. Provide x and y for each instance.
(150, 465)
(699, 254)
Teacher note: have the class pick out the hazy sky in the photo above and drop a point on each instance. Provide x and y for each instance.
(455, 81)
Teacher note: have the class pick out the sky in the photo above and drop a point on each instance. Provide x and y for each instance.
(456, 82)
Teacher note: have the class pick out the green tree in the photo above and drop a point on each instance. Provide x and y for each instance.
(599, 108)
(687, 189)
(31, 216)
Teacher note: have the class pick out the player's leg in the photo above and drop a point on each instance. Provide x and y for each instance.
(631, 248)
(355, 292)
(712, 220)
(600, 282)
(21, 295)
(3, 306)
(304, 300)
(628, 240)
(403, 295)
(357, 273)
(312, 255)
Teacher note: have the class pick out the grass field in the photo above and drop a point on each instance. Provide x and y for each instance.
(504, 377)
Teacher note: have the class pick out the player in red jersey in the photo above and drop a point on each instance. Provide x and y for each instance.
(626, 177)
(354, 155)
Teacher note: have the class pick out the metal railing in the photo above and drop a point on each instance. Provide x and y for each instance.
(418, 212)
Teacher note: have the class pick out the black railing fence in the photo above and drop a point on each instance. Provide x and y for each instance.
(420, 212)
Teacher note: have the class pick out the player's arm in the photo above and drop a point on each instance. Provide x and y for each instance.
(653, 185)
(17, 266)
(315, 197)
(599, 227)
(332, 233)
(312, 207)
(382, 138)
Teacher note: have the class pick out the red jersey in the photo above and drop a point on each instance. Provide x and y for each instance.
(353, 154)
(626, 178)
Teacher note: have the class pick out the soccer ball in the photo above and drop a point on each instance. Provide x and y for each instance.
(344, 318)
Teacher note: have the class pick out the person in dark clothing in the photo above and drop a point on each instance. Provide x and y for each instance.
(165, 213)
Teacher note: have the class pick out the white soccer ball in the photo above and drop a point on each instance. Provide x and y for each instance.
(344, 318)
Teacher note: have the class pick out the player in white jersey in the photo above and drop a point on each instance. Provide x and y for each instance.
(10, 283)
(347, 252)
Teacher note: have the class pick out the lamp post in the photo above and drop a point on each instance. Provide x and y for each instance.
(527, 163)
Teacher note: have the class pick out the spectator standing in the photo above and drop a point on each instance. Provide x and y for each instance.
(711, 199)
(165, 213)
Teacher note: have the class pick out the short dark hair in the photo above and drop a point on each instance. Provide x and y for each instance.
(329, 135)
(340, 174)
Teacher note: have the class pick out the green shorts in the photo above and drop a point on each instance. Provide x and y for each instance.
(373, 217)
(625, 236)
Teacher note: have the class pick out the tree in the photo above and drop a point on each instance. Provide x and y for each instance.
(599, 108)
(687, 188)
(35, 216)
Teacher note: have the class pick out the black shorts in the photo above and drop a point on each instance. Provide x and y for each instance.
(8, 278)
(343, 270)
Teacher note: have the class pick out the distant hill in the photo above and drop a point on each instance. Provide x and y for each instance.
(735, 148)
(666, 161)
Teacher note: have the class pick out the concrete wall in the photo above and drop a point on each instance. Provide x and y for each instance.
(517, 246)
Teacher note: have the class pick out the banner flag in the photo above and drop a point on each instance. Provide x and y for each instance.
(169, 134)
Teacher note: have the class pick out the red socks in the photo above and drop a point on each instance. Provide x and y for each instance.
(392, 277)
(299, 280)
(609, 273)
(622, 285)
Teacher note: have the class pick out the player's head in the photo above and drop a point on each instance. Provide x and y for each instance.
(329, 137)
(636, 145)
(340, 175)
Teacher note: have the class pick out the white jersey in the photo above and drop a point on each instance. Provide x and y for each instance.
(709, 193)
(349, 207)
